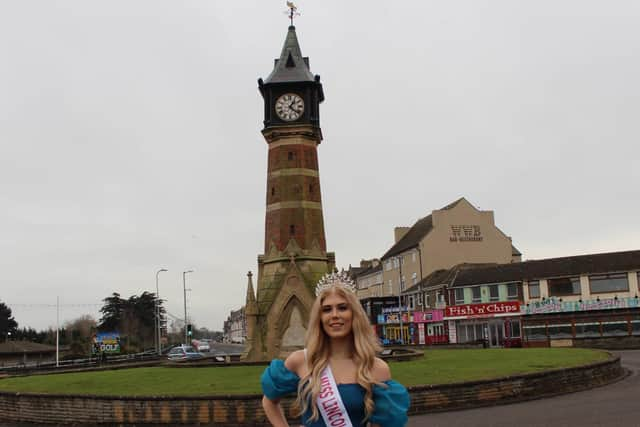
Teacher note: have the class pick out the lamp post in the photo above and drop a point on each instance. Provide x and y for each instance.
(158, 328)
(184, 288)
(400, 299)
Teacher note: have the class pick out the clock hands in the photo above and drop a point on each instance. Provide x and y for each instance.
(295, 110)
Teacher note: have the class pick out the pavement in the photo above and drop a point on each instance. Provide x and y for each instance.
(616, 404)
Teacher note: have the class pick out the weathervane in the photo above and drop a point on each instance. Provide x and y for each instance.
(292, 12)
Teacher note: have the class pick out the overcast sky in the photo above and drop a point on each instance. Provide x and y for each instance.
(130, 136)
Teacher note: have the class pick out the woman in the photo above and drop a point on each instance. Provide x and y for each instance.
(339, 380)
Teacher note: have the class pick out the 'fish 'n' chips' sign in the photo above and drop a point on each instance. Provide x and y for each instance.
(492, 309)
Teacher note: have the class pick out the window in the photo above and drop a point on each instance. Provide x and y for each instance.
(476, 294)
(609, 283)
(292, 230)
(311, 188)
(291, 155)
(635, 327)
(414, 278)
(413, 257)
(387, 265)
(515, 329)
(564, 286)
(402, 283)
(616, 328)
(396, 264)
(426, 300)
(493, 293)
(512, 291)
(420, 298)
(459, 296)
(411, 303)
(273, 191)
(535, 332)
(534, 289)
(390, 287)
(587, 329)
(560, 331)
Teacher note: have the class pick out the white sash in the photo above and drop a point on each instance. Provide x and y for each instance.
(330, 403)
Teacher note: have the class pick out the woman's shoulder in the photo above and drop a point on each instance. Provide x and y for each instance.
(381, 371)
(295, 361)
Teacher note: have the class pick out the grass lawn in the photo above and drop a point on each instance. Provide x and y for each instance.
(437, 367)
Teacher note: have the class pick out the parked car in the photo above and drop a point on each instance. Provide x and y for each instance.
(184, 352)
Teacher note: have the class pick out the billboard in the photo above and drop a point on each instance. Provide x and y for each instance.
(106, 342)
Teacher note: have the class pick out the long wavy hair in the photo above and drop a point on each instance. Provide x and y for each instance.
(365, 348)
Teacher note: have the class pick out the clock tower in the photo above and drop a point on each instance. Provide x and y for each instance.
(295, 255)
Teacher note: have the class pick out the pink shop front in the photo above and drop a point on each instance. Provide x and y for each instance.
(494, 324)
(416, 328)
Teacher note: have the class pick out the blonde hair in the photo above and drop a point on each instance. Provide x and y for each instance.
(365, 348)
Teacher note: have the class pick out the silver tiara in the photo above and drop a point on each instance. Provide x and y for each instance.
(329, 280)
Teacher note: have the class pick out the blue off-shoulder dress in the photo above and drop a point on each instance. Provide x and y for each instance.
(391, 402)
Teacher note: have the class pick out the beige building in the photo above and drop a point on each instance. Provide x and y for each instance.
(458, 233)
(368, 278)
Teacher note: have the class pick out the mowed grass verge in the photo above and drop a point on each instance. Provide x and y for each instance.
(436, 367)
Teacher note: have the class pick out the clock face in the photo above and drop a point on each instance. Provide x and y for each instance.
(289, 107)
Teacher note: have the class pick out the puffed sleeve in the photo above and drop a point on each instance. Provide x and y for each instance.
(278, 381)
(392, 404)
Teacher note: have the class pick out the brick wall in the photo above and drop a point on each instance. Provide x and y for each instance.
(243, 410)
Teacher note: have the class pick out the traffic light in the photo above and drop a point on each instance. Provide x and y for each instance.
(189, 332)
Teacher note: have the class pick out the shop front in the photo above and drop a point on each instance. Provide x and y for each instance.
(412, 327)
(494, 324)
(600, 321)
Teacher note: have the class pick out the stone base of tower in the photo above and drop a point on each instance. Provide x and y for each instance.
(278, 316)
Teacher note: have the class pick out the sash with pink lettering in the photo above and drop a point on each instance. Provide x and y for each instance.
(330, 403)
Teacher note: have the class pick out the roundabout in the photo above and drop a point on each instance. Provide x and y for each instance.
(238, 407)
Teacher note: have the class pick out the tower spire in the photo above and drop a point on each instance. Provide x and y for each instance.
(291, 66)
(251, 296)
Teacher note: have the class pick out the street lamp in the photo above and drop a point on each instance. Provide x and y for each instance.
(400, 299)
(184, 288)
(158, 329)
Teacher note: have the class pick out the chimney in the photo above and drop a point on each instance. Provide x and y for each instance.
(399, 232)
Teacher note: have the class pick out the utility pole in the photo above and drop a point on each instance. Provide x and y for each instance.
(184, 288)
(400, 299)
(57, 331)
(158, 328)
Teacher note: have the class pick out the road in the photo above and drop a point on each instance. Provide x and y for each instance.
(612, 405)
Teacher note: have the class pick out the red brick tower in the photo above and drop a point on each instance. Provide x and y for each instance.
(295, 254)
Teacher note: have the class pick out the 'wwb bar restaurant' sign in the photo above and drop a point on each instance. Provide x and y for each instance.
(493, 309)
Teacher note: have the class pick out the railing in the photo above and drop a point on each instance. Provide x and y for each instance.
(21, 367)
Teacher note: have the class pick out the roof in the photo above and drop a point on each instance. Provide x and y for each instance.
(412, 238)
(291, 66)
(370, 270)
(20, 347)
(515, 251)
(416, 233)
(443, 276)
(552, 267)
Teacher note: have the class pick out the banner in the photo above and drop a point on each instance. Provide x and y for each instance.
(554, 305)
